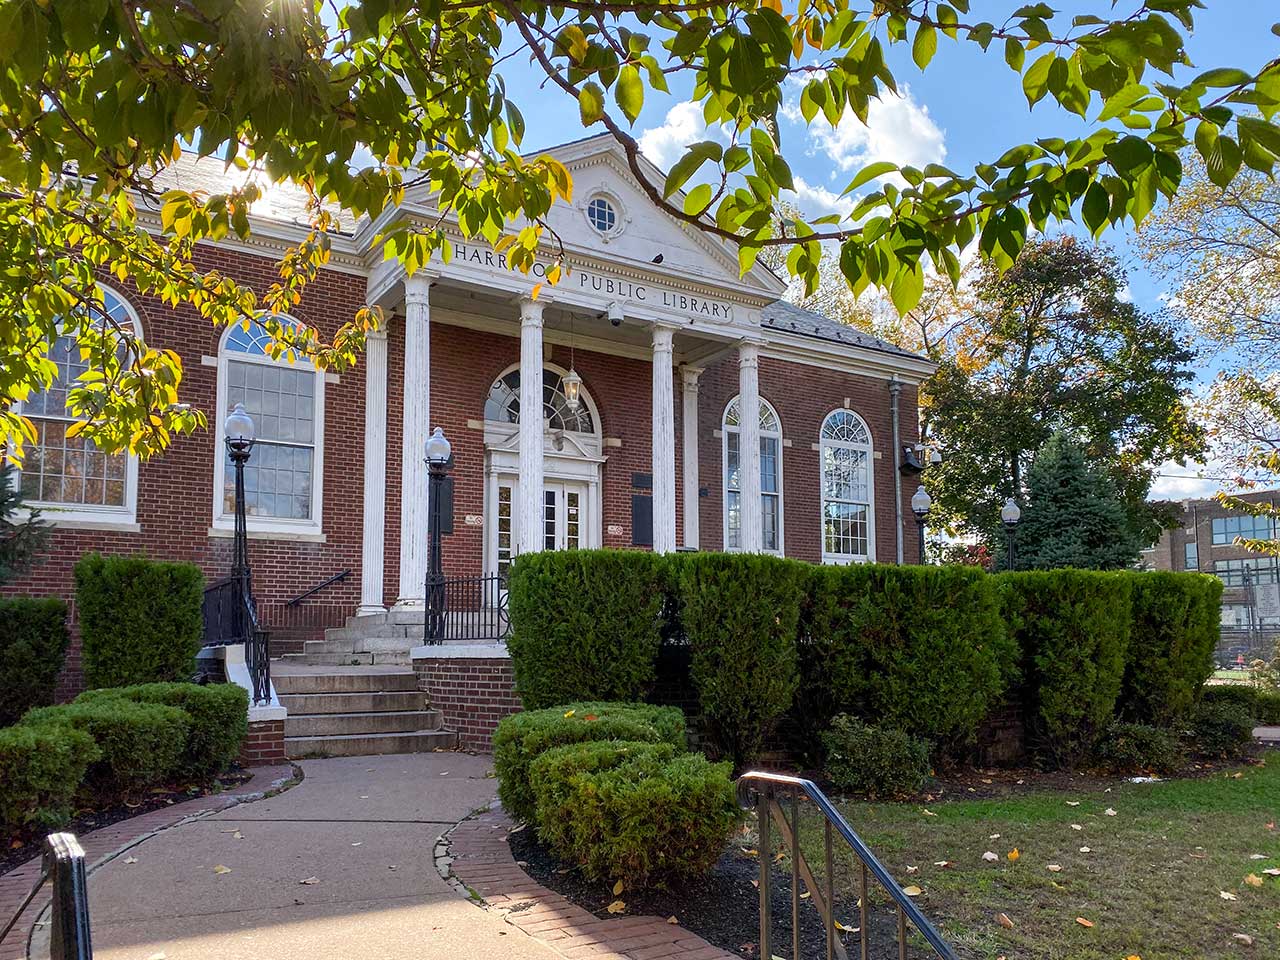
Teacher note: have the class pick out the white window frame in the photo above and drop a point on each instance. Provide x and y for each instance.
(868, 448)
(87, 515)
(725, 430)
(620, 216)
(279, 528)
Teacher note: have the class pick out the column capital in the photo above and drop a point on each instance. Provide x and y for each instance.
(531, 311)
(663, 337)
(417, 288)
(375, 334)
(689, 378)
(748, 354)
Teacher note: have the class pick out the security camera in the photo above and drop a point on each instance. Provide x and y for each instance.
(615, 313)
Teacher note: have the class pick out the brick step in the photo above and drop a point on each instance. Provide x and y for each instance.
(341, 724)
(367, 744)
(396, 701)
(354, 680)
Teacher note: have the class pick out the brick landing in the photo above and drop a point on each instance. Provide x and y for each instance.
(482, 860)
(100, 844)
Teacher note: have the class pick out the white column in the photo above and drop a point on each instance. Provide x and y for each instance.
(689, 462)
(529, 518)
(373, 532)
(749, 445)
(413, 467)
(664, 442)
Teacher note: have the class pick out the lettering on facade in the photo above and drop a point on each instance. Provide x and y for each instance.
(614, 288)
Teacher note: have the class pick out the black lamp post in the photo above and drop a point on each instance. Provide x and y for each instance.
(438, 451)
(238, 434)
(1010, 514)
(920, 504)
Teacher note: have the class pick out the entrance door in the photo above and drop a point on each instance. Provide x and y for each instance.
(564, 518)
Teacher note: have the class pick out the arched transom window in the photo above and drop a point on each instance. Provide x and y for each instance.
(503, 403)
(286, 402)
(770, 478)
(847, 504)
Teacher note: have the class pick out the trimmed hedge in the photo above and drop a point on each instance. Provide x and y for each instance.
(918, 649)
(140, 619)
(523, 736)
(637, 813)
(33, 645)
(1171, 643)
(1221, 730)
(1262, 705)
(219, 720)
(1140, 748)
(874, 761)
(1072, 627)
(140, 744)
(41, 768)
(741, 613)
(1268, 708)
(585, 624)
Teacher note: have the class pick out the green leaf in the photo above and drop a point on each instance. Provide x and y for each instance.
(870, 172)
(1035, 82)
(696, 200)
(925, 45)
(1223, 77)
(591, 103)
(695, 156)
(630, 93)
(1014, 55)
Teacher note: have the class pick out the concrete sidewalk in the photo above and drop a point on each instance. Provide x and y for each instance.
(339, 867)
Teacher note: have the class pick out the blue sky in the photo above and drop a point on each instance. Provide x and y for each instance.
(967, 108)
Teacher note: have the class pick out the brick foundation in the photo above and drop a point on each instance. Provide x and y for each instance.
(472, 687)
(264, 745)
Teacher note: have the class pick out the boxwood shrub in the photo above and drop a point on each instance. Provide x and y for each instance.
(1221, 730)
(33, 645)
(919, 649)
(874, 761)
(1072, 628)
(740, 613)
(140, 619)
(585, 624)
(1171, 643)
(1140, 748)
(639, 813)
(41, 768)
(140, 744)
(523, 736)
(218, 714)
(1268, 708)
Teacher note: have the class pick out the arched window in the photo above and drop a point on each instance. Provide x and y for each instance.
(770, 478)
(503, 403)
(286, 401)
(70, 476)
(848, 515)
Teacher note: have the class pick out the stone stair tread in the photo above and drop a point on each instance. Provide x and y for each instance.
(367, 744)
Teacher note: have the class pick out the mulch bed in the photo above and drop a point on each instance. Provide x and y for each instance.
(23, 846)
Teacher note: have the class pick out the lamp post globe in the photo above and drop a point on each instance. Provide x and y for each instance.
(1010, 514)
(921, 503)
(439, 449)
(238, 429)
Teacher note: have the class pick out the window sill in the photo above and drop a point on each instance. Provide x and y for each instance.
(272, 533)
(121, 524)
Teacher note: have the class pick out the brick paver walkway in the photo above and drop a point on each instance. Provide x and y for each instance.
(482, 860)
(99, 844)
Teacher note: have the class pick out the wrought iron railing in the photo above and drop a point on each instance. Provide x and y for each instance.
(767, 793)
(231, 617)
(473, 610)
(336, 578)
(63, 864)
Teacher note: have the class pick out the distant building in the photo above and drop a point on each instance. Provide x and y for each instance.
(1205, 540)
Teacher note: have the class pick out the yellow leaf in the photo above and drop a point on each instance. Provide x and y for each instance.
(1133, 956)
(567, 713)
(618, 888)
(749, 851)
(1227, 896)
(220, 869)
(912, 891)
(672, 919)
(1004, 921)
(616, 907)
(1253, 880)
(1053, 868)
(1013, 854)
(846, 928)
(533, 295)
(1083, 922)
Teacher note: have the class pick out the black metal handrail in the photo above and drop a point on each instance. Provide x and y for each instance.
(471, 609)
(762, 791)
(63, 863)
(231, 617)
(336, 578)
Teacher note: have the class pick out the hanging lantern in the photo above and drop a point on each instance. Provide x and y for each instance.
(572, 384)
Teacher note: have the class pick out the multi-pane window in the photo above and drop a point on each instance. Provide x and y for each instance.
(770, 478)
(1226, 529)
(506, 528)
(69, 472)
(503, 403)
(1261, 570)
(280, 476)
(846, 456)
(1190, 555)
(602, 216)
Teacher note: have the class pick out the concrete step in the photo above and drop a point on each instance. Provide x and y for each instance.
(353, 680)
(329, 659)
(360, 702)
(346, 724)
(328, 646)
(366, 744)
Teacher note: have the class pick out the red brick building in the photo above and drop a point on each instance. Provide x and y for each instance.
(670, 344)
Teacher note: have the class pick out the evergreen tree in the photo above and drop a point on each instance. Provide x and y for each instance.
(21, 538)
(1074, 517)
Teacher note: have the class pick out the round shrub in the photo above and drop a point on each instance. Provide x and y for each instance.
(919, 649)
(41, 768)
(1223, 731)
(585, 624)
(1236, 694)
(1171, 644)
(1267, 709)
(740, 613)
(639, 813)
(1139, 748)
(1072, 628)
(33, 644)
(875, 761)
(523, 736)
(219, 720)
(140, 744)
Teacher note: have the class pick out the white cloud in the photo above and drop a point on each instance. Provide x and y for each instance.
(683, 125)
(815, 200)
(1178, 481)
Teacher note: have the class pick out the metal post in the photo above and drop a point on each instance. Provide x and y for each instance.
(239, 454)
(69, 933)
(920, 518)
(435, 565)
(1008, 548)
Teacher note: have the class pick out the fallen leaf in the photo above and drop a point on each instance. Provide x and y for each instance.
(928, 813)
(780, 857)
(756, 884)
(130, 859)
(1243, 939)
(310, 880)
(913, 869)
(806, 895)
(912, 891)
(569, 713)
(985, 780)
(944, 864)
(846, 928)
(1054, 868)
(1086, 850)
(590, 716)
(364, 797)
(1077, 826)
(672, 919)
(617, 906)
(1258, 856)
(157, 956)
(220, 869)
(1073, 803)
(237, 835)
(1227, 896)
(1254, 880)
(1013, 854)
(990, 856)
(750, 851)
(994, 836)
(1133, 956)
(357, 843)
(1272, 871)
(618, 888)
(1004, 921)
(1109, 812)
(1083, 922)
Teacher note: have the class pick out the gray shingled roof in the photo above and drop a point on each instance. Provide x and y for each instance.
(781, 315)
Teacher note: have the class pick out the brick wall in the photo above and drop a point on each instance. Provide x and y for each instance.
(264, 744)
(472, 694)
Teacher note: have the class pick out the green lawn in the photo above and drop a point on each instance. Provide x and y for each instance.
(1152, 881)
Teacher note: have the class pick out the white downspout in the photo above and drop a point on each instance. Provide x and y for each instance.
(895, 390)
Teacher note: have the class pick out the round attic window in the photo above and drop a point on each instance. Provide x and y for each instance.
(602, 215)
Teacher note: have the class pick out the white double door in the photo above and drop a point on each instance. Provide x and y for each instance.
(567, 518)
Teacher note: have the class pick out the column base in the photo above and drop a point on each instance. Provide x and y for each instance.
(372, 610)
